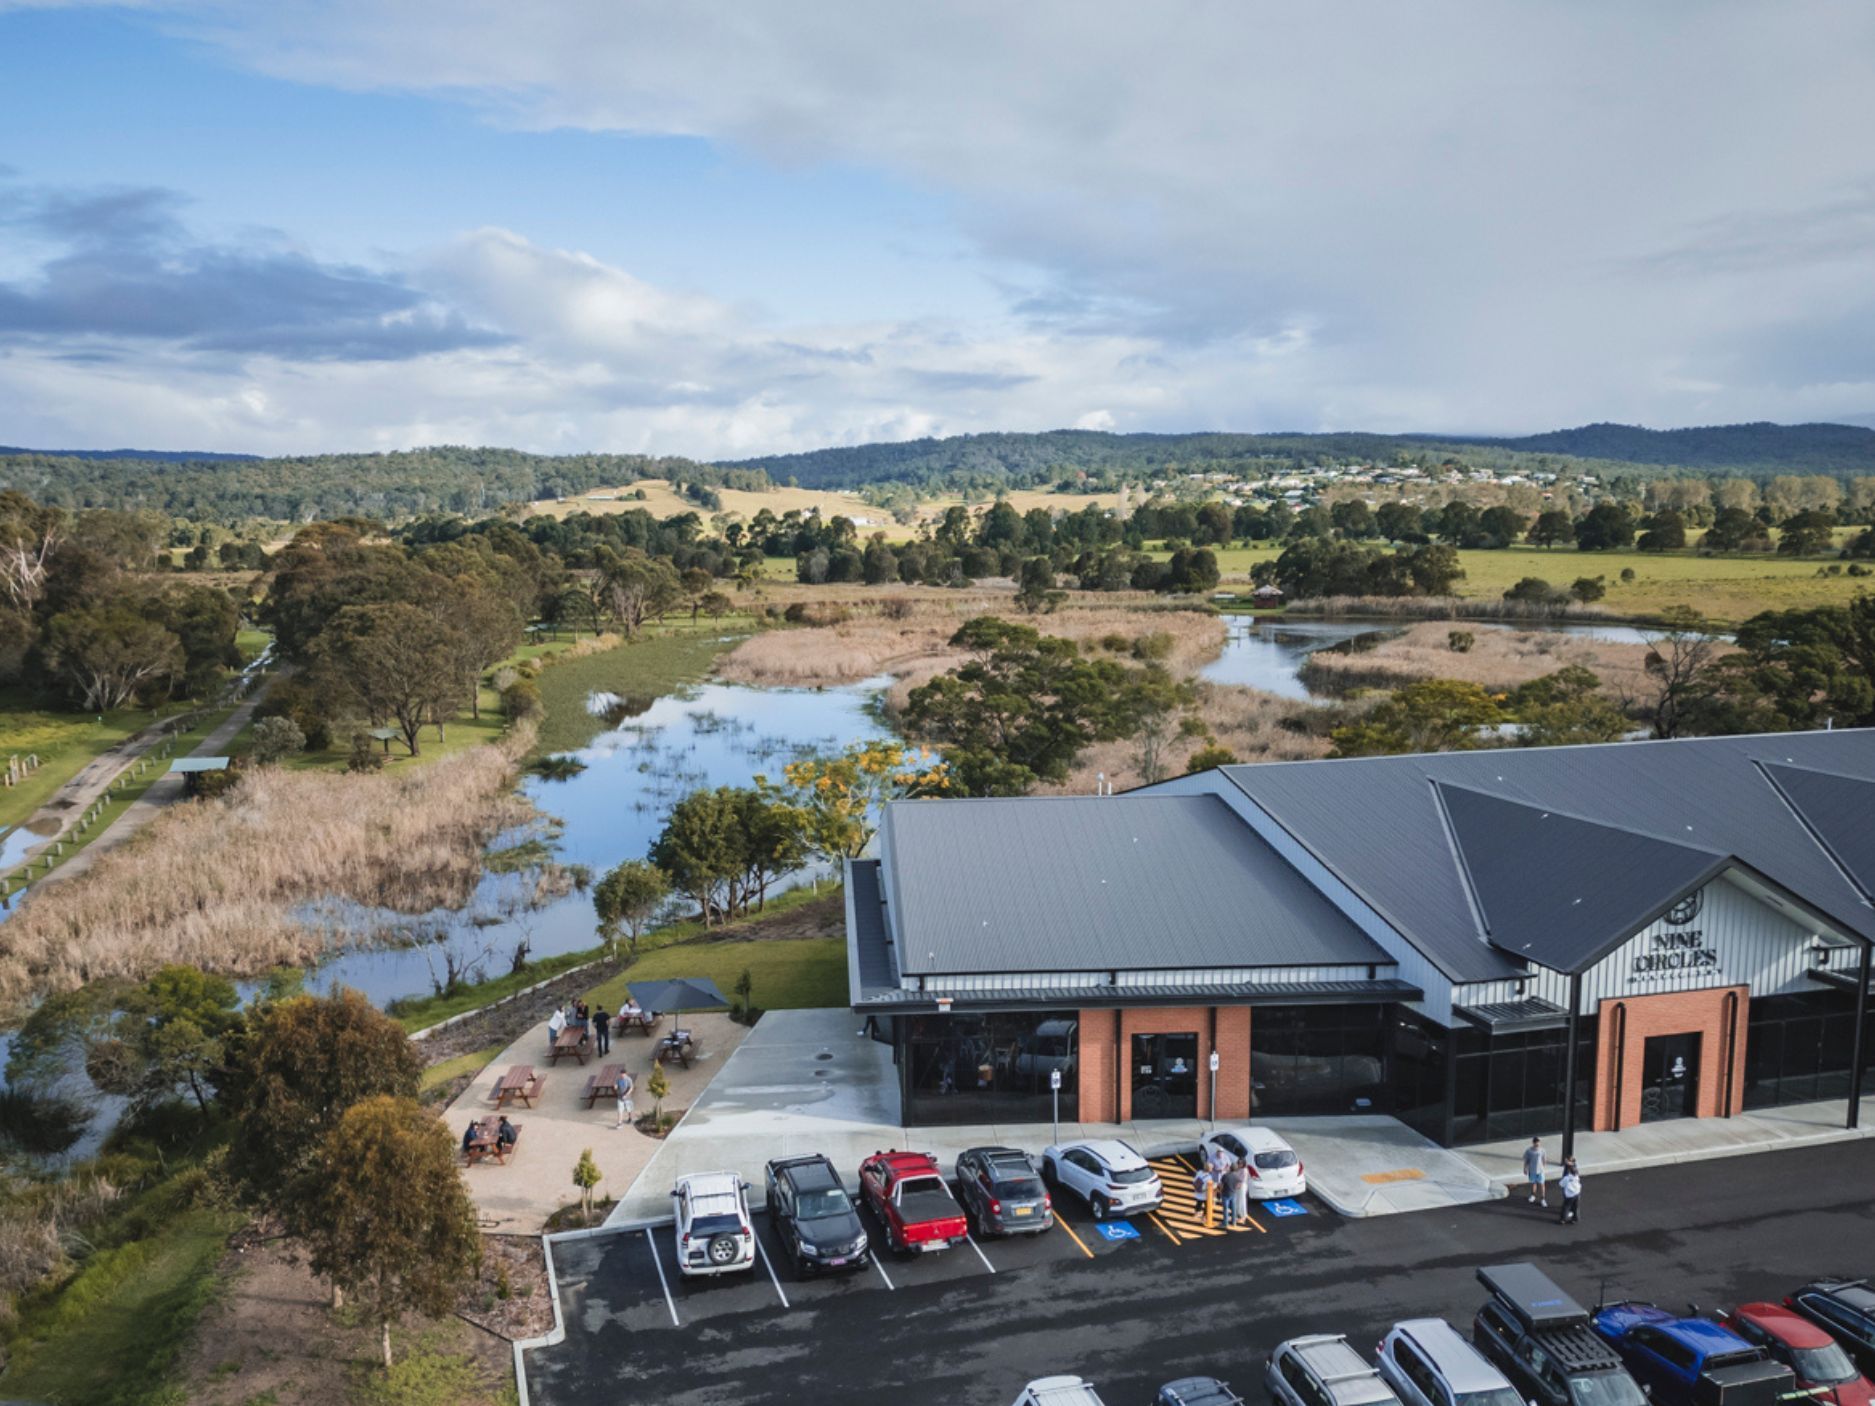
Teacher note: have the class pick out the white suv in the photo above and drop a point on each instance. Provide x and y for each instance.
(1058, 1391)
(1108, 1175)
(714, 1233)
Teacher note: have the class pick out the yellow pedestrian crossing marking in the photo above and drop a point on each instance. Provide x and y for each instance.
(1185, 1217)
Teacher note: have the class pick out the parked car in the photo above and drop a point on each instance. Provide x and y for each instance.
(1539, 1338)
(1845, 1309)
(1058, 1391)
(713, 1229)
(1323, 1369)
(909, 1195)
(1001, 1193)
(1691, 1361)
(1818, 1361)
(814, 1216)
(1427, 1363)
(1108, 1175)
(1197, 1391)
(1274, 1168)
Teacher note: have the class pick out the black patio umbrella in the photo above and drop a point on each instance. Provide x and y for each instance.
(693, 993)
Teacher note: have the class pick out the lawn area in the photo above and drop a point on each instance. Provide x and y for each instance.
(788, 973)
(64, 743)
(111, 1335)
(1728, 589)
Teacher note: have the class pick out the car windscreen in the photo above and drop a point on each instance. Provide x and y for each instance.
(1017, 1189)
(1822, 1366)
(1275, 1161)
(818, 1205)
(1133, 1176)
(1605, 1389)
(1501, 1396)
(715, 1225)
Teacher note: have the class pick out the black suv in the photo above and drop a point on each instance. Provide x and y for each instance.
(1540, 1339)
(1845, 1309)
(1001, 1193)
(814, 1216)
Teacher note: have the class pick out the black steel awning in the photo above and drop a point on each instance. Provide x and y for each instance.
(1513, 1017)
(1840, 981)
(1267, 993)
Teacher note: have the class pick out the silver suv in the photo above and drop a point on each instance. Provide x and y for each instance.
(1322, 1370)
(1428, 1363)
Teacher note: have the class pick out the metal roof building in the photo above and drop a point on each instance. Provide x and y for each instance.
(1655, 929)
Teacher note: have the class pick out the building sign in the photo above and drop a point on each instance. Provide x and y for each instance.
(1677, 953)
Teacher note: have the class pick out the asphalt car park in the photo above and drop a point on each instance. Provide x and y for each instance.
(1132, 1308)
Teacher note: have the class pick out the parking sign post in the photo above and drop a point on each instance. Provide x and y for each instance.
(1054, 1084)
(1214, 1064)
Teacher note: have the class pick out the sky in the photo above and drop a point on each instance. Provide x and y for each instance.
(723, 230)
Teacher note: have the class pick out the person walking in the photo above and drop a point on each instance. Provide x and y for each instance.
(1240, 1206)
(1571, 1188)
(1534, 1173)
(622, 1091)
(602, 1029)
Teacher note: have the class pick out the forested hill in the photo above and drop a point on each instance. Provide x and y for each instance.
(1755, 448)
(446, 479)
(173, 456)
(986, 459)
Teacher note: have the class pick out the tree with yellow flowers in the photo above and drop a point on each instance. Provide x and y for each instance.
(839, 797)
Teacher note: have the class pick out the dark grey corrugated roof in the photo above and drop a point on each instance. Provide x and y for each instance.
(1075, 883)
(1531, 1013)
(1237, 993)
(870, 964)
(1840, 810)
(1376, 821)
(1563, 891)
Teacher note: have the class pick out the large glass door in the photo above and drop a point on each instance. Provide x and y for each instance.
(1670, 1078)
(1165, 1076)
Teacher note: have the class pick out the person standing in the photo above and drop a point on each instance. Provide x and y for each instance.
(1233, 1187)
(555, 1024)
(602, 1029)
(1240, 1207)
(1534, 1173)
(1571, 1188)
(1200, 1190)
(622, 1091)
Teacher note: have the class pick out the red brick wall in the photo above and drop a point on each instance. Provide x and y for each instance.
(1167, 1020)
(1099, 1059)
(1671, 1013)
(1233, 1075)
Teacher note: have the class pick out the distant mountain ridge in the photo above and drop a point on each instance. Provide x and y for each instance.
(1813, 448)
(185, 456)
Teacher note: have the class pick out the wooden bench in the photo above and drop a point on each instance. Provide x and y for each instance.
(678, 1045)
(600, 1085)
(639, 1022)
(570, 1041)
(487, 1144)
(520, 1082)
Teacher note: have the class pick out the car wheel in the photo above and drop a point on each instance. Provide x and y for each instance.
(1049, 1176)
(1097, 1207)
(723, 1249)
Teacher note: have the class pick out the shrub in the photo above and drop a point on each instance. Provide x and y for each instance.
(1460, 641)
(365, 756)
(521, 699)
(276, 739)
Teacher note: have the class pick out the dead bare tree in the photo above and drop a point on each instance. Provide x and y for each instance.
(1677, 656)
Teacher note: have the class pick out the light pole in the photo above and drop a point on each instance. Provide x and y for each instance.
(1054, 1085)
(1214, 1064)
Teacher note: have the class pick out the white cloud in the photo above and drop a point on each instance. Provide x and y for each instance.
(1457, 214)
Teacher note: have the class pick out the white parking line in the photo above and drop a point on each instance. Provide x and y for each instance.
(979, 1249)
(772, 1277)
(663, 1284)
(881, 1268)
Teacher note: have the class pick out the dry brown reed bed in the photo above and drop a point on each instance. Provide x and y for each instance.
(1448, 608)
(214, 884)
(1498, 659)
(906, 633)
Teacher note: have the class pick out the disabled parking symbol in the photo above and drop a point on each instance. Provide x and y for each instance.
(1285, 1208)
(1117, 1230)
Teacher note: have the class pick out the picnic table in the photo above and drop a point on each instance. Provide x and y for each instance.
(570, 1041)
(487, 1142)
(520, 1082)
(601, 1084)
(633, 1019)
(678, 1045)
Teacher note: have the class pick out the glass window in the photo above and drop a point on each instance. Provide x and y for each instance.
(988, 1068)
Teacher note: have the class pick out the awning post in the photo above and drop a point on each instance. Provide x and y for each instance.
(1569, 1067)
(1859, 1045)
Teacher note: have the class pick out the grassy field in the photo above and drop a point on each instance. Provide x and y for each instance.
(788, 973)
(64, 744)
(651, 666)
(111, 1335)
(1725, 588)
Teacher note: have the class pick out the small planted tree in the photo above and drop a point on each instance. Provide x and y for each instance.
(586, 1176)
(629, 896)
(745, 996)
(659, 1087)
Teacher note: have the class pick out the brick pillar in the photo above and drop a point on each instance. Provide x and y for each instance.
(1100, 1061)
(1670, 1013)
(1233, 1075)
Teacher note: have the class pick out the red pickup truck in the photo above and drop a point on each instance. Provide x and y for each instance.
(910, 1197)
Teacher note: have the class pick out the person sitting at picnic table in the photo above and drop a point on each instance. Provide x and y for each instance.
(505, 1135)
(471, 1135)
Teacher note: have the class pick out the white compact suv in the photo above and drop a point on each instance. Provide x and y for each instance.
(1275, 1170)
(714, 1232)
(1058, 1391)
(1108, 1175)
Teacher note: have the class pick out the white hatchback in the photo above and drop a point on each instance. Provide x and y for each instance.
(1275, 1170)
(1108, 1175)
(713, 1230)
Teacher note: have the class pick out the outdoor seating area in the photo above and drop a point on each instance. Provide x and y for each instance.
(572, 1109)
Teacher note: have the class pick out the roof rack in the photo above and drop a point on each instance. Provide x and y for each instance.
(1533, 1298)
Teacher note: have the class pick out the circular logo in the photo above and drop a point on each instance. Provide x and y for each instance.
(1687, 909)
